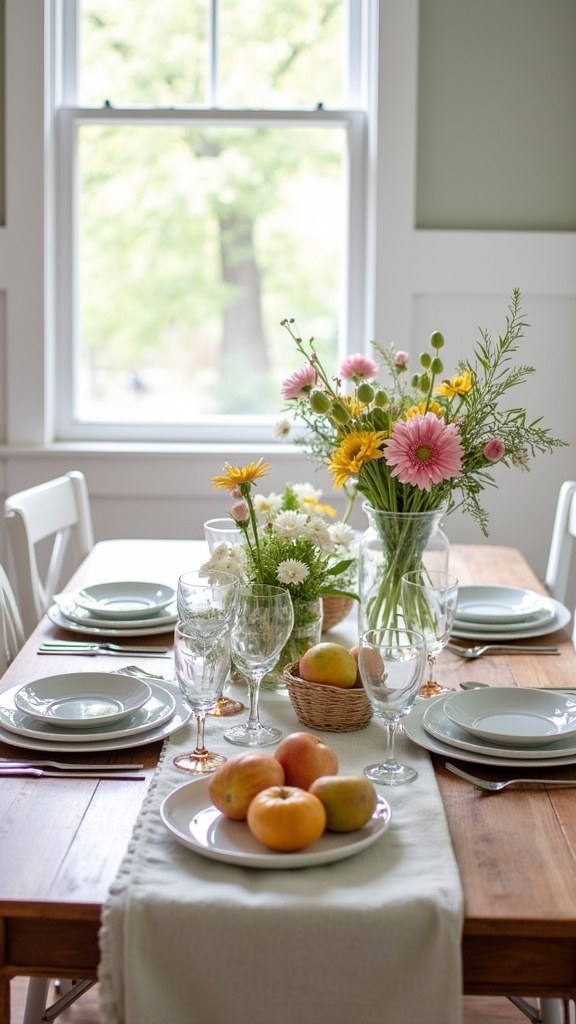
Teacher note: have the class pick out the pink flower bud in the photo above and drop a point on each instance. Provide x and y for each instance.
(494, 450)
(239, 512)
(401, 360)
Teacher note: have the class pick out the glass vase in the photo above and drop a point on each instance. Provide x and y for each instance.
(306, 632)
(393, 544)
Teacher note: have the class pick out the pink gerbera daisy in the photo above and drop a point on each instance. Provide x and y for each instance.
(299, 382)
(358, 366)
(424, 451)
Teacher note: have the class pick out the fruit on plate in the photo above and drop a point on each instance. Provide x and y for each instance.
(236, 782)
(286, 818)
(349, 800)
(330, 664)
(304, 757)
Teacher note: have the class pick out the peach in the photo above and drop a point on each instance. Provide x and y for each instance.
(236, 782)
(304, 758)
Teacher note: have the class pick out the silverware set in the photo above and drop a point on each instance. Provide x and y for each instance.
(97, 647)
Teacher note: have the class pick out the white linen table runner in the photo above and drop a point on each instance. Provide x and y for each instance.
(373, 939)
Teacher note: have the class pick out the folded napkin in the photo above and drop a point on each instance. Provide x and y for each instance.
(373, 938)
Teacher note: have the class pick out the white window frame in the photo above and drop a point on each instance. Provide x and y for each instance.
(68, 117)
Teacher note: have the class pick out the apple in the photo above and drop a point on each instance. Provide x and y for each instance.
(304, 757)
(236, 782)
(286, 818)
(330, 664)
(349, 800)
(358, 683)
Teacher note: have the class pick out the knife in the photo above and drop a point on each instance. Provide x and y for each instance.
(14, 762)
(77, 647)
(42, 773)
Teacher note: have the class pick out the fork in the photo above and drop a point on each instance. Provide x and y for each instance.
(495, 787)
(478, 651)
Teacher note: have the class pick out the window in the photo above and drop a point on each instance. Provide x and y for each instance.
(211, 182)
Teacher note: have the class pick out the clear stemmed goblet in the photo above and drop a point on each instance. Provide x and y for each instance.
(207, 603)
(391, 663)
(262, 627)
(429, 602)
(201, 669)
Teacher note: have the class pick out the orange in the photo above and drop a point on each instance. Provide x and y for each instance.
(286, 818)
(328, 663)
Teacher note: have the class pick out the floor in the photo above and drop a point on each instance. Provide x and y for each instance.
(85, 1011)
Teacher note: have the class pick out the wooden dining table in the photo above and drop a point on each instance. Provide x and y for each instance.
(62, 840)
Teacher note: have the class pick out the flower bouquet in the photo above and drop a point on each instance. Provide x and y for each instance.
(285, 539)
(416, 447)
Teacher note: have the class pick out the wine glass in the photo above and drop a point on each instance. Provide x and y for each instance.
(207, 601)
(391, 663)
(429, 600)
(262, 627)
(201, 668)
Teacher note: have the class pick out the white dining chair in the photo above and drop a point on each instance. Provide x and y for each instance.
(57, 512)
(562, 542)
(11, 628)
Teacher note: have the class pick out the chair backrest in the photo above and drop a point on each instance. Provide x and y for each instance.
(562, 542)
(58, 509)
(11, 628)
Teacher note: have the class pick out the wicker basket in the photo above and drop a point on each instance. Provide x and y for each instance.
(327, 708)
(335, 609)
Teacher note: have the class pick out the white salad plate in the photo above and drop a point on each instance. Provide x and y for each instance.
(125, 600)
(66, 602)
(413, 727)
(500, 604)
(82, 700)
(193, 820)
(437, 723)
(156, 625)
(512, 715)
(560, 619)
(158, 709)
(540, 618)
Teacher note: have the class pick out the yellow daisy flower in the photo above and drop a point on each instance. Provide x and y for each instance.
(356, 449)
(242, 475)
(459, 385)
(416, 410)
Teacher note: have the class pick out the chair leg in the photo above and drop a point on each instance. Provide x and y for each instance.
(36, 999)
(554, 1011)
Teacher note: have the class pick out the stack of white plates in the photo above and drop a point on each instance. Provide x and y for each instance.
(89, 712)
(116, 609)
(498, 725)
(506, 613)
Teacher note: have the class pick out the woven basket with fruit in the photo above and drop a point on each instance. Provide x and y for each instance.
(326, 690)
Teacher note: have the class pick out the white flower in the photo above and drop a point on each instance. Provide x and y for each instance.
(342, 535)
(267, 506)
(282, 429)
(317, 532)
(307, 495)
(227, 558)
(290, 525)
(292, 571)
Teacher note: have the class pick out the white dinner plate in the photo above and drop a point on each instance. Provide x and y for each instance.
(159, 708)
(413, 726)
(545, 615)
(512, 715)
(125, 600)
(560, 619)
(112, 742)
(439, 725)
(500, 604)
(190, 816)
(164, 617)
(56, 616)
(82, 700)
